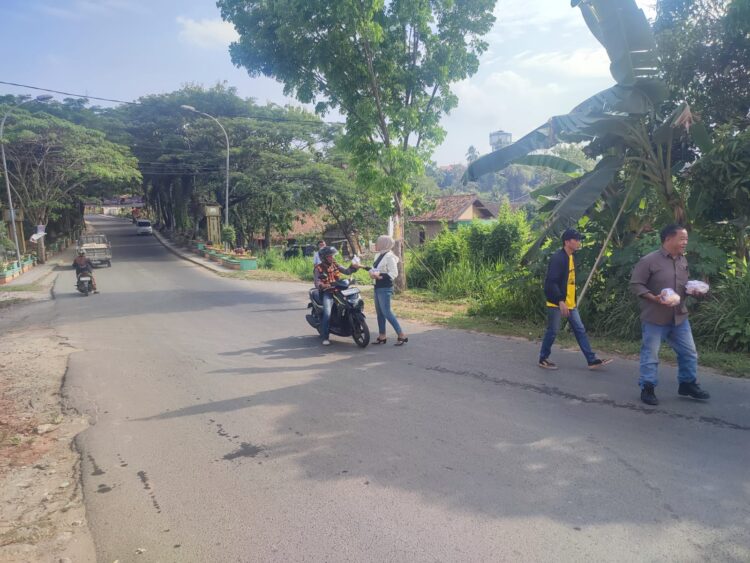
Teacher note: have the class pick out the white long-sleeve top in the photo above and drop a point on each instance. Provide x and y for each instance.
(388, 265)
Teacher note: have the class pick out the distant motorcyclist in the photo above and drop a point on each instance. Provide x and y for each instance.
(84, 265)
(327, 273)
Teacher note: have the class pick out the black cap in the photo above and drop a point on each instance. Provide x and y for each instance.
(571, 234)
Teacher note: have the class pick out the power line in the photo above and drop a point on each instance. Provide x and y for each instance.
(258, 118)
(67, 93)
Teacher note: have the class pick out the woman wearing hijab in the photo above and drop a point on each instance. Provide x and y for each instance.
(384, 270)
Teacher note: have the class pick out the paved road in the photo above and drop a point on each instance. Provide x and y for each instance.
(224, 432)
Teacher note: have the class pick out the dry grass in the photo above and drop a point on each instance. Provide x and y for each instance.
(262, 275)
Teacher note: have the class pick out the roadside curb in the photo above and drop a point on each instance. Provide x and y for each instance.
(189, 256)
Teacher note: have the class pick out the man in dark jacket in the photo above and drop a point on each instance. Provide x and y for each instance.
(560, 291)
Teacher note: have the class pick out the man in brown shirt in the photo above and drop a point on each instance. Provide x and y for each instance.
(662, 319)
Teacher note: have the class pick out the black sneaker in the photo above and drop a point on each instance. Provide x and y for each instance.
(648, 396)
(693, 390)
(546, 364)
(597, 363)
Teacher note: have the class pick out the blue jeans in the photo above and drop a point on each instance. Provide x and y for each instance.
(383, 309)
(327, 306)
(554, 318)
(680, 338)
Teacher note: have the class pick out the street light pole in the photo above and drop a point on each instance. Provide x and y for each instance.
(226, 137)
(12, 211)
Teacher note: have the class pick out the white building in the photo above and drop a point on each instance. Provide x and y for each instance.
(500, 139)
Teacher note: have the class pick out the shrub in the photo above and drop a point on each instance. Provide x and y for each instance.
(513, 293)
(722, 320)
(428, 263)
(463, 279)
(228, 235)
(502, 240)
(480, 244)
(300, 266)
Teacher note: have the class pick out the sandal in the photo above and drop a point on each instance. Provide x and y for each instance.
(380, 341)
(401, 341)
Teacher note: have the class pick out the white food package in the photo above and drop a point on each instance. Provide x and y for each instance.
(355, 260)
(696, 287)
(669, 297)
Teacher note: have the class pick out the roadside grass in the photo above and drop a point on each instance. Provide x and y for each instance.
(428, 307)
(25, 287)
(263, 275)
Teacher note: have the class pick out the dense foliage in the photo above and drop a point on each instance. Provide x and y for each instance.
(619, 166)
(387, 66)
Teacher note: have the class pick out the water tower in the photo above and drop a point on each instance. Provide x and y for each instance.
(500, 139)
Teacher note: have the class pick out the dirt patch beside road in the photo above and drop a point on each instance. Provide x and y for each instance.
(42, 516)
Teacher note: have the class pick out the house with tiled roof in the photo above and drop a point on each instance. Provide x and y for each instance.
(308, 227)
(451, 210)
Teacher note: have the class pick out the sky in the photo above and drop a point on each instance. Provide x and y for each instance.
(542, 60)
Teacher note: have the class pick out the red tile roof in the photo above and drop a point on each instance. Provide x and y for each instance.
(450, 208)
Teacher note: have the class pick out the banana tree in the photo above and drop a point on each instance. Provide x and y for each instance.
(622, 124)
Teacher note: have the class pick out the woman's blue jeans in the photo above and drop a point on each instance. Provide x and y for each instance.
(680, 338)
(383, 297)
(554, 318)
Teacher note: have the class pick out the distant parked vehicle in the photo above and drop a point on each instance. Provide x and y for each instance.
(98, 248)
(143, 227)
(299, 250)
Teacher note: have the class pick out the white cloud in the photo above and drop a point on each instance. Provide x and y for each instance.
(500, 94)
(519, 18)
(79, 9)
(110, 6)
(588, 63)
(207, 33)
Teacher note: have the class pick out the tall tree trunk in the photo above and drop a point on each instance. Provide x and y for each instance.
(267, 234)
(606, 243)
(399, 247)
(743, 255)
(41, 257)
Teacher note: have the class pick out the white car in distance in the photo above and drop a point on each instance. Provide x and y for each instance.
(143, 227)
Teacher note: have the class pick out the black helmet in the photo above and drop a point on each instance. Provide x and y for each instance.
(327, 251)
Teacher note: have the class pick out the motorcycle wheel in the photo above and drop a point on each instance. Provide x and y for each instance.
(360, 332)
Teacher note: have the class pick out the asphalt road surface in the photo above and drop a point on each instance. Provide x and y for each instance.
(223, 431)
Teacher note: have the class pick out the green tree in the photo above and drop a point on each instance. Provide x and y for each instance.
(704, 50)
(720, 191)
(387, 66)
(622, 124)
(51, 160)
(472, 154)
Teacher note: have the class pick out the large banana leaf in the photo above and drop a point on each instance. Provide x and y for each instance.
(622, 29)
(573, 127)
(545, 191)
(589, 189)
(549, 161)
(585, 191)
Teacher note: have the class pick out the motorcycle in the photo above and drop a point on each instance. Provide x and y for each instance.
(347, 314)
(84, 284)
